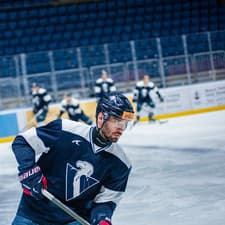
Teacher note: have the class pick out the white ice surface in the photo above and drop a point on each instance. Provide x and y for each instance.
(178, 175)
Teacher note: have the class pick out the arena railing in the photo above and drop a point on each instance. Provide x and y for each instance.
(20, 71)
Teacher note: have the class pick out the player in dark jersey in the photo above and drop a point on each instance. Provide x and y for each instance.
(83, 166)
(104, 85)
(40, 101)
(143, 95)
(71, 105)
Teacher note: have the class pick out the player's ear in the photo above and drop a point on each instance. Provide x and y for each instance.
(100, 119)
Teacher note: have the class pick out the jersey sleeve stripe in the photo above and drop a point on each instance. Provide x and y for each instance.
(107, 195)
(34, 141)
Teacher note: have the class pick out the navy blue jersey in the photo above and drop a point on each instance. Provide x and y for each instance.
(72, 108)
(74, 111)
(142, 92)
(87, 178)
(40, 99)
(104, 87)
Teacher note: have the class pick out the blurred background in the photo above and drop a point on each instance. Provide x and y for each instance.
(64, 45)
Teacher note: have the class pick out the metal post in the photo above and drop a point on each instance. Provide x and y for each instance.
(81, 70)
(24, 76)
(18, 78)
(134, 59)
(106, 53)
(213, 72)
(187, 62)
(161, 68)
(53, 75)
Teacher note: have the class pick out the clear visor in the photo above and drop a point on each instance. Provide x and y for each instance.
(119, 123)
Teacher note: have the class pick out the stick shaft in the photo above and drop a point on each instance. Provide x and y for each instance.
(65, 208)
(31, 120)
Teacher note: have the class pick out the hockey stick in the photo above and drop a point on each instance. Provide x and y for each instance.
(161, 121)
(147, 109)
(31, 120)
(65, 208)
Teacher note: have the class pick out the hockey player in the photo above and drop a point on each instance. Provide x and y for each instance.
(142, 94)
(72, 107)
(104, 85)
(40, 101)
(81, 165)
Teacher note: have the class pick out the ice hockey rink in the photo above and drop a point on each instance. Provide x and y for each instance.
(178, 175)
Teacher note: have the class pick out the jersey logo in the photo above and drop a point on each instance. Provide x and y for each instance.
(77, 142)
(78, 179)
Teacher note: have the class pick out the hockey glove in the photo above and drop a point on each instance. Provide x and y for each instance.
(161, 99)
(33, 181)
(102, 221)
(105, 222)
(134, 100)
(35, 111)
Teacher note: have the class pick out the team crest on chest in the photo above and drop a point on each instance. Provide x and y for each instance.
(78, 179)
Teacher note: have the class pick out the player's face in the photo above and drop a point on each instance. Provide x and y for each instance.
(68, 100)
(35, 89)
(146, 79)
(113, 128)
(104, 75)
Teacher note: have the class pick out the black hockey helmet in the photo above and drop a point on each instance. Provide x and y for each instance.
(34, 85)
(116, 105)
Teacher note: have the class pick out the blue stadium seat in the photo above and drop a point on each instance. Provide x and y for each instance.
(20, 49)
(31, 48)
(174, 66)
(8, 68)
(65, 59)
(197, 43)
(119, 52)
(3, 16)
(217, 40)
(150, 67)
(37, 63)
(172, 46)
(32, 13)
(146, 49)
(140, 19)
(219, 60)
(92, 55)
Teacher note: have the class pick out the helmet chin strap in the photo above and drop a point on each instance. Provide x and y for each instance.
(98, 137)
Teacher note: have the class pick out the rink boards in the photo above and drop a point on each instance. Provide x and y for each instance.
(178, 101)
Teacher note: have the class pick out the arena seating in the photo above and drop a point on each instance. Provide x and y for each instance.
(86, 35)
(46, 27)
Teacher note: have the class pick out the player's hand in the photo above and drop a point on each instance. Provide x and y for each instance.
(102, 221)
(33, 181)
(35, 111)
(45, 107)
(161, 99)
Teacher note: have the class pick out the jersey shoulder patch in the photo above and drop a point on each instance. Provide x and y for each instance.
(77, 128)
(110, 80)
(117, 151)
(151, 84)
(42, 91)
(99, 81)
(140, 84)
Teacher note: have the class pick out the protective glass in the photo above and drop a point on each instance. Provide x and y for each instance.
(118, 123)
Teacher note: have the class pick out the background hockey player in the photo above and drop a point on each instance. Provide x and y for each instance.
(104, 85)
(81, 165)
(71, 105)
(40, 101)
(143, 95)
